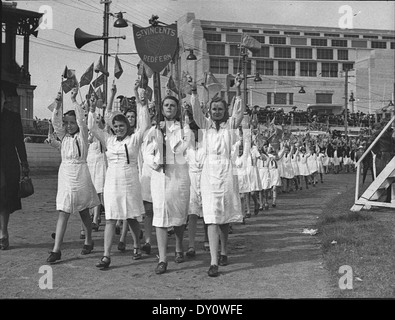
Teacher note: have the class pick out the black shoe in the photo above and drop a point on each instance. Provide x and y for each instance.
(213, 271)
(223, 260)
(136, 254)
(4, 244)
(95, 227)
(121, 246)
(104, 263)
(54, 256)
(53, 235)
(87, 248)
(273, 205)
(230, 230)
(146, 248)
(161, 268)
(191, 253)
(179, 257)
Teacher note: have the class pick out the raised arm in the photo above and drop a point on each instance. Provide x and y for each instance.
(79, 115)
(94, 129)
(57, 118)
(239, 106)
(198, 116)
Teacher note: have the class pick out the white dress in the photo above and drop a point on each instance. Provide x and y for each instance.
(252, 170)
(122, 190)
(287, 171)
(219, 185)
(97, 163)
(312, 163)
(302, 164)
(320, 162)
(275, 179)
(195, 158)
(264, 173)
(76, 191)
(145, 167)
(170, 186)
(295, 165)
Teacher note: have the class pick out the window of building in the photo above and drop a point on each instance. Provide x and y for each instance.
(323, 97)
(280, 98)
(264, 67)
(251, 30)
(234, 50)
(312, 34)
(304, 53)
(286, 68)
(379, 44)
(277, 40)
(308, 69)
(392, 45)
(359, 44)
(229, 30)
(326, 54)
(370, 37)
(271, 32)
(347, 66)
(329, 70)
(209, 29)
(216, 49)
(290, 98)
(319, 42)
(351, 35)
(212, 36)
(388, 38)
(342, 54)
(331, 35)
(218, 65)
(233, 38)
(298, 41)
(282, 52)
(238, 66)
(262, 52)
(339, 43)
(269, 98)
(292, 33)
(261, 39)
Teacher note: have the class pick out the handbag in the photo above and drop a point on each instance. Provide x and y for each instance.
(26, 188)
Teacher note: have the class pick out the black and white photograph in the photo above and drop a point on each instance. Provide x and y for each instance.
(197, 158)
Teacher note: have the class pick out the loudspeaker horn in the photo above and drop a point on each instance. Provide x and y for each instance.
(81, 38)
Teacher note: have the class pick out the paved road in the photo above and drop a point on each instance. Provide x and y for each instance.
(269, 256)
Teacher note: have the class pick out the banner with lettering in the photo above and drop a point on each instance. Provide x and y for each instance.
(156, 45)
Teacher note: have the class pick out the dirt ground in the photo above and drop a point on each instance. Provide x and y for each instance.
(269, 256)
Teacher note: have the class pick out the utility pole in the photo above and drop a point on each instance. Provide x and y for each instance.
(346, 103)
(106, 16)
(244, 56)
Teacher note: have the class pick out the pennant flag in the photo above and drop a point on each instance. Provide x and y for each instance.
(98, 81)
(117, 68)
(250, 43)
(166, 71)
(91, 90)
(86, 78)
(211, 83)
(70, 82)
(65, 72)
(100, 68)
(171, 85)
(52, 106)
(99, 93)
(143, 80)
(230, 81)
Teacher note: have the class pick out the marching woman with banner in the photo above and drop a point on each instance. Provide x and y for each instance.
(76, 192)
(170, 182)
(122, 190)
(219, 184)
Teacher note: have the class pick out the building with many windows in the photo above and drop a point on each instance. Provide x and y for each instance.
(293, 59)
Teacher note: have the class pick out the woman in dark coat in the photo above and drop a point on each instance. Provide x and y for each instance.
(13, 156)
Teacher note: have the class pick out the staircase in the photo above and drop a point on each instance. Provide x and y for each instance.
(378, 188)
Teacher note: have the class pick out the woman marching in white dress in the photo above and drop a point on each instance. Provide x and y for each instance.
(255, 181)
(122, 190)
(219, 185)
(303, 166)
(76, 192)
(170, 182)
(275, 179)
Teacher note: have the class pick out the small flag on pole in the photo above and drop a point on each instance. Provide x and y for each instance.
(70, 82)
(86, 78)
(230, 81)
(100, 68)
(212, 84)
(98, 81)
(117, 68)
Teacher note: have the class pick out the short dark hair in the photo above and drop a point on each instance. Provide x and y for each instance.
(178, 114)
